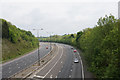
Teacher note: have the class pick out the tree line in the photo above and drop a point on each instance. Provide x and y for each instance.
(14, 34)
(16, 39)
(100, 46)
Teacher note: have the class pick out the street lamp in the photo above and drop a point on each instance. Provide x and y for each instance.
(50, 40)
(38, 45)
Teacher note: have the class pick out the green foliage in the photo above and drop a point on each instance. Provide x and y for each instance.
(15, 34)
(100, 46)
(5, 29)
(20, 41)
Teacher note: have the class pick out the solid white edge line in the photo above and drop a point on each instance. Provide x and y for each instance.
(27, 66)
(36, 61)
(82, 66)
(54, 64)
(23, 56)
(45, 64)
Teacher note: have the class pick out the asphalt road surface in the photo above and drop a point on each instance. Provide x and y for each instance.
(14, 66)
(62, 65)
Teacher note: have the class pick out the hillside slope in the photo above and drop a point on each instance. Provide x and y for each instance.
(16, 42)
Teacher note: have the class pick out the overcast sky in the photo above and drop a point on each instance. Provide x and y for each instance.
(56, 16)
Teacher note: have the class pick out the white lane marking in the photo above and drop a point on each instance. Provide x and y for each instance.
(81, 67)
(71, 70)
(51, 76)
(55, 63)
(9, 63)
(9, 71)
(56, 77)
(18, 67)
(59, 71)
(17, 64)
(47, 63)
(69, 75)
(38, 76)
(61, 61)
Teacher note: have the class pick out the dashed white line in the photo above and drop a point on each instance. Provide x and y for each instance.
(61, 61)
(71, 70)
(38, 76)
(18, 67)
(55, 63)
(9, 71)
(56, 77)
(69, 75)
(51, 76)
(45, 65)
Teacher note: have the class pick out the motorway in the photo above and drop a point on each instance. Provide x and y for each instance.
(14, 66)
(62, 65)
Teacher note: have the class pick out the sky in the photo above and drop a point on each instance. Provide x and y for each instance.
(56, 17)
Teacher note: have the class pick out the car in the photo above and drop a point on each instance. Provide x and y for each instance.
(75, 50)
(71, 47)
(46, 47)
(76, 60)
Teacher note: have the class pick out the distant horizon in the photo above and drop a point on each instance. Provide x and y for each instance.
(56, 17)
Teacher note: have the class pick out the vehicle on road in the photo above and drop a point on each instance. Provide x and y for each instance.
(75, 51)
(46, 47)
(71, 47)
(76, 60)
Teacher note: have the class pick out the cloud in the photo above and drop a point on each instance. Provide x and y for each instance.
(58, 16)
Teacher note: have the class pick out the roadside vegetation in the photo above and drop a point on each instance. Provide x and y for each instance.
(16, 42)
(100, 46)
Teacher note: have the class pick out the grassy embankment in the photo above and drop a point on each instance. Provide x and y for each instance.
(16, 42)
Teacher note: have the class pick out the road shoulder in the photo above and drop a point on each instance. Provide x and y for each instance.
(87, 74)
